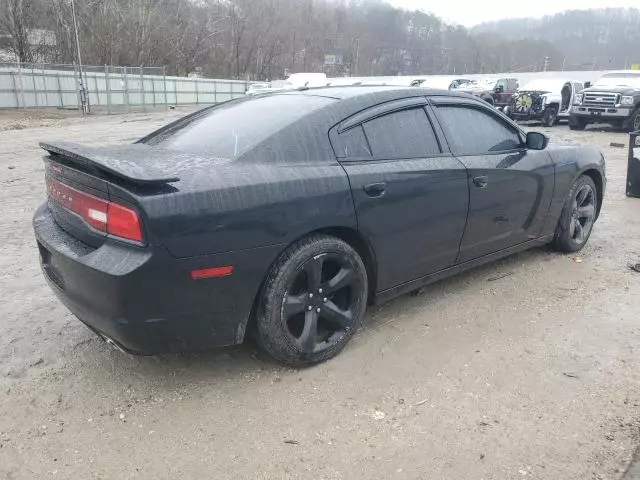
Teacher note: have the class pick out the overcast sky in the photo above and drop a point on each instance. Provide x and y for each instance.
(472, 12)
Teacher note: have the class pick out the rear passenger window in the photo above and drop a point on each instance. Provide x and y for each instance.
(472, 131)
(402, 134)
(355, 143)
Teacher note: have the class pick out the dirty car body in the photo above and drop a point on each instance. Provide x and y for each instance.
(165, 244)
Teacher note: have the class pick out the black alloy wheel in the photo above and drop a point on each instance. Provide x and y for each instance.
(313, 301)
(578, 216)
(583, 213)
(317, 310)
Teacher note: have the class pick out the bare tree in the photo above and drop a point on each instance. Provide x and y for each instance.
(18, 19)
(258, 39)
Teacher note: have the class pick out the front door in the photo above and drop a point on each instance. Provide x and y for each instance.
(510, 187)
(502, 95)
(411, 198)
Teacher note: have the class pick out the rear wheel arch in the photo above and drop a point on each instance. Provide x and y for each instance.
(361, 245)
(348, 235)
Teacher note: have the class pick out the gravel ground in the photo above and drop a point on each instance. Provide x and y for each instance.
(530, 376)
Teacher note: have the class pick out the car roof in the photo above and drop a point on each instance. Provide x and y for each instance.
(351, 91)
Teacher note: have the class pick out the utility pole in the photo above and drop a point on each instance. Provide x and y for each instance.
(83, 90)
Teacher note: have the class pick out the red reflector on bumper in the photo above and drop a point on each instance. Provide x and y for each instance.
(215, 272)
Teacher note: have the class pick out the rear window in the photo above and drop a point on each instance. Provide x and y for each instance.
(232, 129)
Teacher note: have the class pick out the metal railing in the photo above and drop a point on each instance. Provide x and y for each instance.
(110, 88)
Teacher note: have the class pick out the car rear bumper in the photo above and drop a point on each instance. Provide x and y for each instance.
(143, 299)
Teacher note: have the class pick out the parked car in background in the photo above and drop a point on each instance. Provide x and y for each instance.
(284, 215)
(614, 99)
(547, 100)
(441, 82)
(496, 91)
(258, 88)
(295, 80)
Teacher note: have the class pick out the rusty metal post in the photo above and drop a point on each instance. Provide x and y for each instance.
(108, 88)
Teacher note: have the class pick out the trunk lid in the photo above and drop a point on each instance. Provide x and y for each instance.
(87, 186)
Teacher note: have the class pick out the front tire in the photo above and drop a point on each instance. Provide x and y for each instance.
(578, 216)
(577, 123)
(313, 301)
(633, 123)
(550, 116)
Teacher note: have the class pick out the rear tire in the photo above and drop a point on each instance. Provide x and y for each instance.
(312, 302)
(578, 216)
(577, 123)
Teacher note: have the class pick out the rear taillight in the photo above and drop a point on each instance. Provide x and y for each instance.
(123, 222)
(103, 215)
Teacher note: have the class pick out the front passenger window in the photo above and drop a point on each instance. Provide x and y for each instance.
(473, 131)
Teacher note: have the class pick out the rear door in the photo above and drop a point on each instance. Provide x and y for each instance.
(510, 187)
(410, 194)
(502, 96)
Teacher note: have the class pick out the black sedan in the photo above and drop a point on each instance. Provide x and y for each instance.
(284, 215)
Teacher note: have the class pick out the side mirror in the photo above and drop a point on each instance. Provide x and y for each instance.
(537, 141)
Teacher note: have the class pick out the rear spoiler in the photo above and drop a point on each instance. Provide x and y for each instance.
(130, 162)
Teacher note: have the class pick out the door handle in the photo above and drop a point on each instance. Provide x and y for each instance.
(375, 190)
(481, 182)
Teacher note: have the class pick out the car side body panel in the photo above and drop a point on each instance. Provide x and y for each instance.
(251, 205)
(512, 206)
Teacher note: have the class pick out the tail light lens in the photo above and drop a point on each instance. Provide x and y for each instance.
(103, 215)
(123, 222)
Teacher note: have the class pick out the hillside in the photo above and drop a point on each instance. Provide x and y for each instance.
(593, 39)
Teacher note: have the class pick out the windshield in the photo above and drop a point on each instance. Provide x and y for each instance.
(619, 80)
(233, 128)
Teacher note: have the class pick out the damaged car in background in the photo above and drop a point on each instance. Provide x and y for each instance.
(614, 99)
(545, 100)
(496, 91)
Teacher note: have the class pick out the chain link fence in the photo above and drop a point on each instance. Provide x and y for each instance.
(107, 88)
